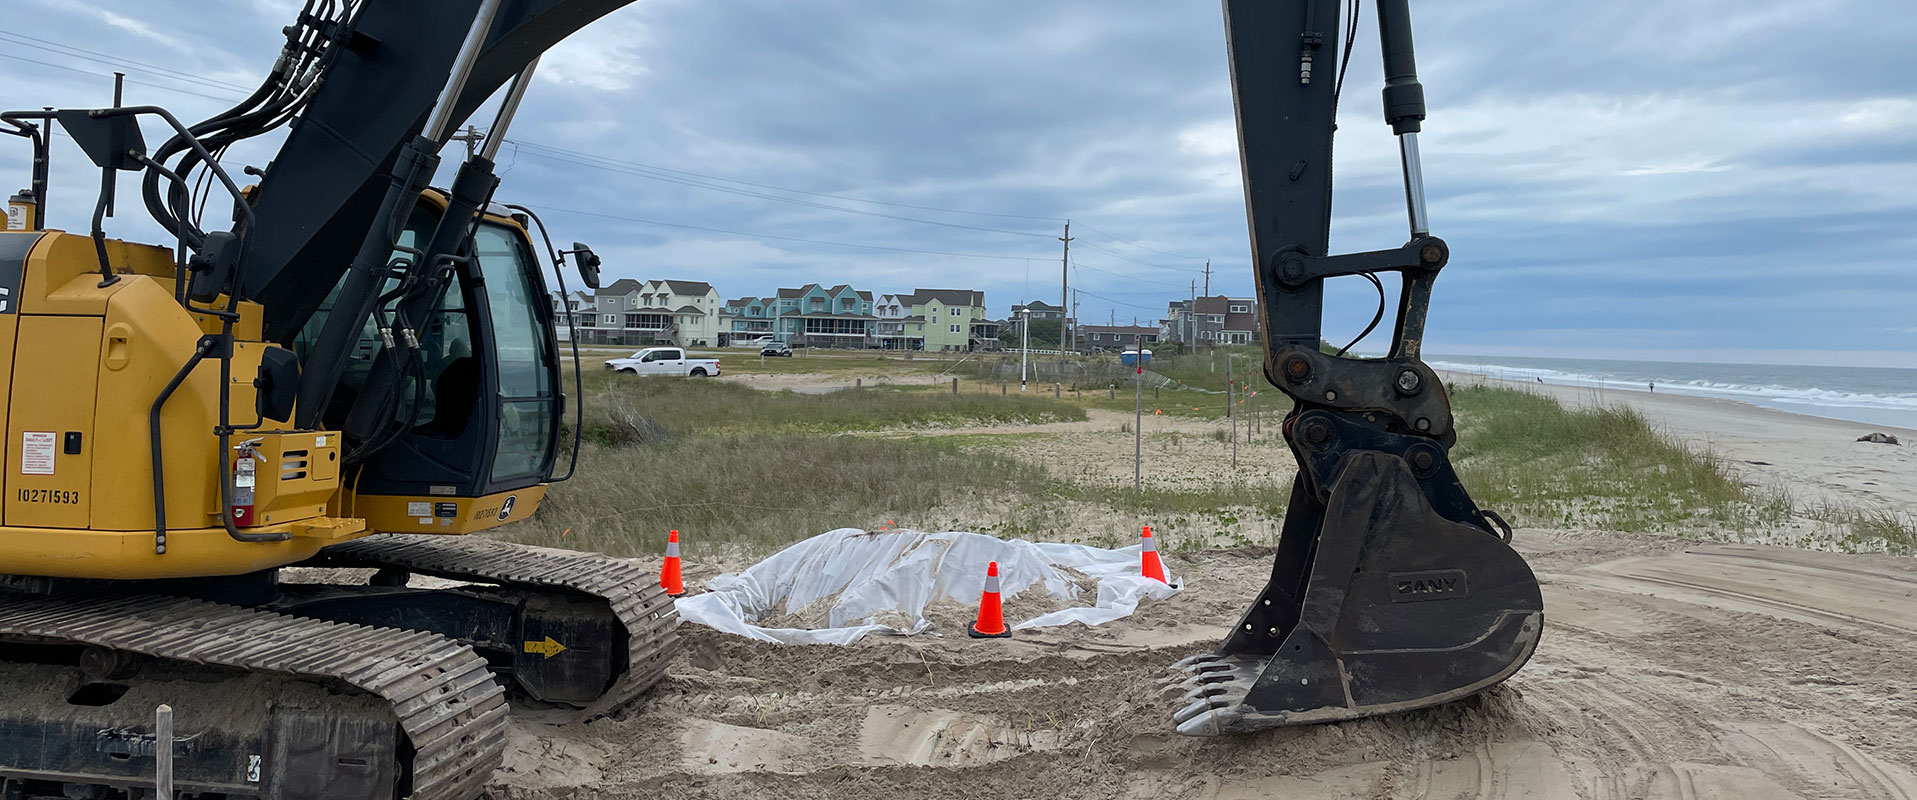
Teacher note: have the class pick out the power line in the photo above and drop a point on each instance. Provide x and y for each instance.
(773, 236)
(789, 189)
(612, 165)
(1123, 257)
(128, 80)
(1077, 264)
(1135, 244)
(89, 55)
(45, 44)
(637, 169)
(1153, 309)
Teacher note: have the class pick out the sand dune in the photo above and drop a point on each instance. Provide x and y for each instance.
(1668, 669)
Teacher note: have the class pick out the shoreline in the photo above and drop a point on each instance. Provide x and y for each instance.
(1587, 395)
(1817, 459)
(1864, 413)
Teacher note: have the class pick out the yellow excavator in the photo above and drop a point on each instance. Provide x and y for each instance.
(353, 371)
(358, 353)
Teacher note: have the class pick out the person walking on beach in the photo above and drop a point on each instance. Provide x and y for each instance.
(1654, 387)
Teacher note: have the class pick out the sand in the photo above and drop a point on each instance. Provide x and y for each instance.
(1814, 457)
(1669, 668)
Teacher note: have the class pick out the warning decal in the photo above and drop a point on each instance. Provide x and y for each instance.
(36, 452)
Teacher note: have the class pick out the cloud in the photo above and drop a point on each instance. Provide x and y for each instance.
(131, 25)
(603, 57)
(1879, 115)
(1674, 169)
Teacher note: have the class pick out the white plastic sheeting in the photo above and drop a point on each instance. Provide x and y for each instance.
(881, 582)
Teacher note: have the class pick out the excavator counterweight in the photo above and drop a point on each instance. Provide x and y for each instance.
(1391, 589)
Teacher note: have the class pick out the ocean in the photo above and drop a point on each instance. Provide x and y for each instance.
(1873, 395)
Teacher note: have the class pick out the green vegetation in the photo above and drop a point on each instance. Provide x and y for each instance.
(757, 470)
(756, 493)
(748, 470)
(1892, 529)
(1206, 369)
(686, 406)
(746, 361)
(1540, 463)
(1044, 335)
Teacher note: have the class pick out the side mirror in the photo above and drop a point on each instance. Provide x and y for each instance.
(211, 269)
(278, 383)
(588, 262)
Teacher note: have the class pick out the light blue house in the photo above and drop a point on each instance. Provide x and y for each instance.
(809, 316)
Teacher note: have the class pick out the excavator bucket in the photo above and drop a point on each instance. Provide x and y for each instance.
(1391, 590)
(1376, 604)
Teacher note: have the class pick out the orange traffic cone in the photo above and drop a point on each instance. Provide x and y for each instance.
(669, 574)
(1149, 565)
(991, 615)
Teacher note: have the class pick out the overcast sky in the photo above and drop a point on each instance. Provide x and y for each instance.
(1696, 180)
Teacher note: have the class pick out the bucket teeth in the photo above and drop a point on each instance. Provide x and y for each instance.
(1188, 661)
(1211, 686)
(1210, 722)
(1189, 674)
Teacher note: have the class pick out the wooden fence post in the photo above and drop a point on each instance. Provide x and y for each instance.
(163, 752)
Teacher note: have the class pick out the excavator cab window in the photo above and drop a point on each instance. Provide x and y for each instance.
(360, 362)
(486, 417)
(523, 353)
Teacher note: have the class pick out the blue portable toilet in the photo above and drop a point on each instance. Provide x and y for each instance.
(1130, 357)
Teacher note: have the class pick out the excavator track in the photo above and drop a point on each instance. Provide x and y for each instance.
(632, 596)
(438, 691)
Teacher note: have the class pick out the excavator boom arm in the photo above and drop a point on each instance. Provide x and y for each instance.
(1390, 589)
(318, 200)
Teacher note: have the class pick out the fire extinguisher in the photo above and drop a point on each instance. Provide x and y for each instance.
(245, 477)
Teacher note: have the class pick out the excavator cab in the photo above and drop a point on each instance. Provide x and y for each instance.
(471, 434)
(1391, 589)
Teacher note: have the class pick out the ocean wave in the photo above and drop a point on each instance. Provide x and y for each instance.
(1801, 395)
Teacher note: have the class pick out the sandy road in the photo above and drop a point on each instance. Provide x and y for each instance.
(1666, 671)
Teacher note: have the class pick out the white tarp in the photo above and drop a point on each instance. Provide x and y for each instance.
(881, 582)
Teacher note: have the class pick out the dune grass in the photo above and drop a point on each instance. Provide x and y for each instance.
(756, 493)
(741, 469)
(751, 471)
(1869, 529)
(711, 406)
(1540, 463)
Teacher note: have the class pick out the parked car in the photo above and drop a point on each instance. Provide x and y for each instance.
(665, 361)
(775, 349)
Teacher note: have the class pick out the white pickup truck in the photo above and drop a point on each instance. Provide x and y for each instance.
(665, 361)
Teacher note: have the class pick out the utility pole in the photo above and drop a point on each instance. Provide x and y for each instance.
(1065, 292)
(1207, 277)
(471, 137)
